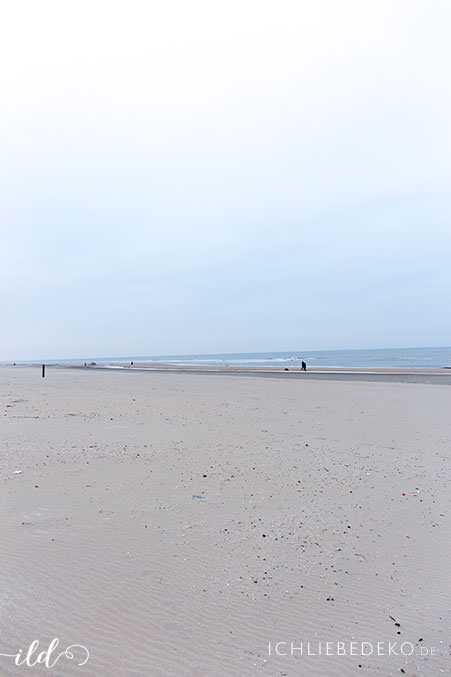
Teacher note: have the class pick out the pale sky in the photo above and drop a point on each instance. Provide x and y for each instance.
(194, 177)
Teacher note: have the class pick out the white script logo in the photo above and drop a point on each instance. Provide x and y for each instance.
(48, 657)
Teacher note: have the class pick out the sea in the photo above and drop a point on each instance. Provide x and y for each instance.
(407, 358)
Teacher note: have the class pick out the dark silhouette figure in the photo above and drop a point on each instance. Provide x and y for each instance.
(303, 366)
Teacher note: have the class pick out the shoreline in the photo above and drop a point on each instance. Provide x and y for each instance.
(425, 376)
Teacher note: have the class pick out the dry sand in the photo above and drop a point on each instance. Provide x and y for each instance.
(174, 524)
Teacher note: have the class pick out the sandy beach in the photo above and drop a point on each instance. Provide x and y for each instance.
(191, 524)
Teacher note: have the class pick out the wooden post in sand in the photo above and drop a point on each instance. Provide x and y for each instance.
(43, 370)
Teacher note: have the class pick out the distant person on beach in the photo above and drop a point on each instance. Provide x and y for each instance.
(303, 366)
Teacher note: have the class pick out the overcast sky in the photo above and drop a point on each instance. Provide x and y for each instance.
(224, 176)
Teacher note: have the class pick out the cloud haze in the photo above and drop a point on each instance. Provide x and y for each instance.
(206, 176)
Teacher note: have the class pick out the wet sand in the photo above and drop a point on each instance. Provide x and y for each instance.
(178, 523)
(438, 376)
